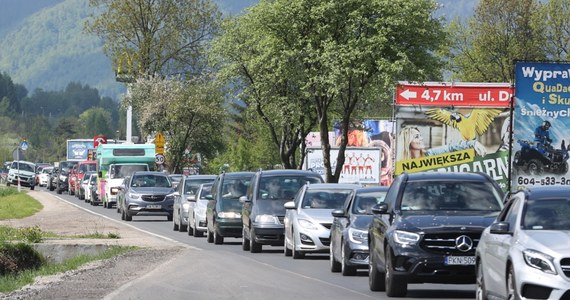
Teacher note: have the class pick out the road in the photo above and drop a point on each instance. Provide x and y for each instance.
(210, 271)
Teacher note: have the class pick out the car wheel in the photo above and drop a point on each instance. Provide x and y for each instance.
(174, 226)
(32, 187)
(123, 216)
(395, 287)
(480, 292)
(376, 279)
(104, 204)
(181, 228)
(244, 241)
(57, 190)
(346, 269)
(218, 239)
(128, 217)
(296, 253)
(286, 250)
(209, 236)
(254, 247)
(190, 229)
(511, 287)
(169, 218)
(335, 265)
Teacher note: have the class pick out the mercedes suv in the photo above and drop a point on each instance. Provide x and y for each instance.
(427, 229)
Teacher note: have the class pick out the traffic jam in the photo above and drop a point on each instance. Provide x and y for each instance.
(466, 185)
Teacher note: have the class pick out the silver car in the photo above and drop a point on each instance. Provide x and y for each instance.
(308, 218)
(147, 193)
(197, 211)
(526, 252)
(186, 193)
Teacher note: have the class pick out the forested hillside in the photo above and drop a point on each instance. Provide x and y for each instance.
(44, 46)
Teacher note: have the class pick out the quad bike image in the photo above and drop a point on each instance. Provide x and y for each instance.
(533, 159)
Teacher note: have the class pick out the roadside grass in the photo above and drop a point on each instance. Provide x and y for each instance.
(11, 283)
(17, 205)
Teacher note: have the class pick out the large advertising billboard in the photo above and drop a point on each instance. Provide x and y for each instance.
(448, 129)
(541, 125)
(78, 149)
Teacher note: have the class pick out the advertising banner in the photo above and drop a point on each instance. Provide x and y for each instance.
(360, 164)
(458, 138)
(541, 125)
(79, 149)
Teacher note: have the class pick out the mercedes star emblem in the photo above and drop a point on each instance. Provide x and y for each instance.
(463, 243)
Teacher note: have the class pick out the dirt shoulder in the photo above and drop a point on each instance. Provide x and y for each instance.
(97, 279)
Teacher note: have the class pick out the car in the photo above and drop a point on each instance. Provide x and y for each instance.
(85, 185)
(308, 217)
(79, 174)
(61, 180)
(23, 173)
(525, 253)
(263, 210)
(147, 193)
(197, 211)
(427, 229)
(223, 211)
(349, 230)
(52, 179)
(44, 175)
(89, 189)
(176, 178)
(183, 197)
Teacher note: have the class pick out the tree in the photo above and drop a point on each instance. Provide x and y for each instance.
(189, 114)
(96, 121)
(155, 37)
(500, 32)
(331, 57)
(553, 18)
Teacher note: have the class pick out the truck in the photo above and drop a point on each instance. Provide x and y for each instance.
(115, 162)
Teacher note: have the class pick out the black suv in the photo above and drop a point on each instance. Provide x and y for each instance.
(427, 229)
(62, 177)
(263, 206)
(223, 212)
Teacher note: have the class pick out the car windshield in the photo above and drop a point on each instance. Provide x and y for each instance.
(451, 195)
(150, 181)
(283, 187)
(24, 167)
(325, 199)
(192, 185)
(233, 188)
(87, 167)
(549, 214)
(205, 191)
(363, 202)
(120, 171)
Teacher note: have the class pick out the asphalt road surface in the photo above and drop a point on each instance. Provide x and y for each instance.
(209, 271)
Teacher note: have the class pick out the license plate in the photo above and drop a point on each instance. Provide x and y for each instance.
(460, 260)
(154, 206)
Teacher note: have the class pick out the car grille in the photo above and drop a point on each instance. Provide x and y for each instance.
(327, 225)
(565, 265)
(153, 198)
(444, 243)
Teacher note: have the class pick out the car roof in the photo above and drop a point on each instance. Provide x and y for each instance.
(201, 177)
(546, 192)
(330, 186)
(237, 174)
(285, 172)
(369, 189)
(459, 176)
(149, 173)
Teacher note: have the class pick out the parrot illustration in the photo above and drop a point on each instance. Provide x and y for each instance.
(470, 125)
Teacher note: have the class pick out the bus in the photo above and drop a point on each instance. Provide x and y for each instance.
(114, 162)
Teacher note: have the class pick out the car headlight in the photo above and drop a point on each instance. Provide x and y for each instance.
(134, 195)
(307, 224)
(114, 190)
(229, 214)
(358, 236)
(539, 260)
(406, 238)
(269, 219)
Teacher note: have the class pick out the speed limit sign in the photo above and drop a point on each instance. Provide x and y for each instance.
(159, 159)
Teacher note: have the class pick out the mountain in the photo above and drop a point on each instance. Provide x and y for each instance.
(44, 46)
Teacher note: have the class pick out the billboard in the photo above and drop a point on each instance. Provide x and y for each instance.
(78, 149)
(361, 165)
(541, 125)
(464, 137)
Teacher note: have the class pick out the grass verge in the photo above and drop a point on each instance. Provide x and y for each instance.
(17, 205)
(14, 282)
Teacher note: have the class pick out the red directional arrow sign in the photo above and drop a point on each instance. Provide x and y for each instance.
(457, 94)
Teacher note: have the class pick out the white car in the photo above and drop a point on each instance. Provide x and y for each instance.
(184, 197)
(23, 173)
(90, 187)
(308, 218)
(44, 175)
(197, 211)
(525, 254)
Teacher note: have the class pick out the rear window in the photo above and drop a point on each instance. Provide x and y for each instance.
(87, 168)
(121, 171)
(283, 187)
(151, 181)
(192, 185)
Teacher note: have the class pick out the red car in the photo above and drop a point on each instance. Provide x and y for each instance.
(77, 173)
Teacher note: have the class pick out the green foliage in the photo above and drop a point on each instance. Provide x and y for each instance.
(15, 258)
(17, 205)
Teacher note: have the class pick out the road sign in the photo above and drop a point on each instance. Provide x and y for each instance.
(159, 143)
(24, 145)
(159, 159)
(456, 94)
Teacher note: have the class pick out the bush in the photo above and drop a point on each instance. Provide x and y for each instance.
(15, 258)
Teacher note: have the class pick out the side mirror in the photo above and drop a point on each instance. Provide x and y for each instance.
(209, 197)
(500, 228)
(244, 199)
(288, 204)
(338, 213)
(100, 174)
(380, 209)
(191, 198)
